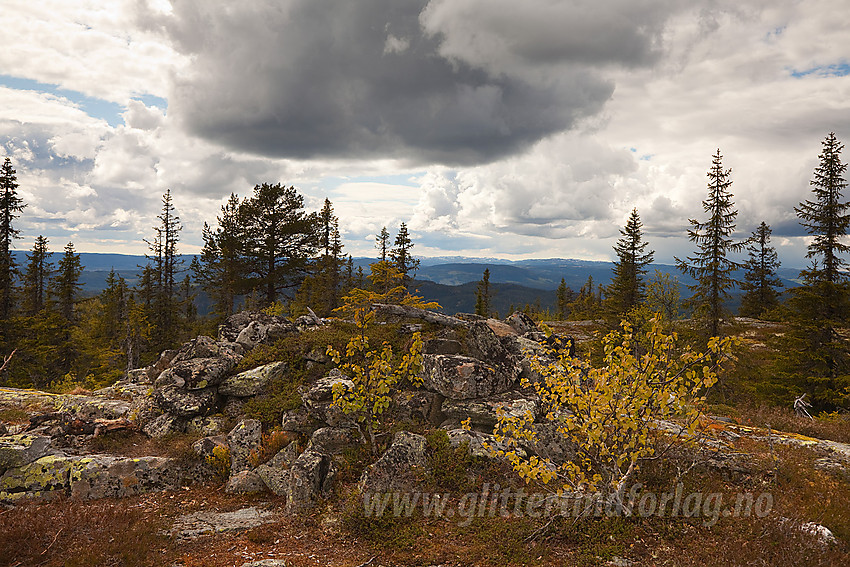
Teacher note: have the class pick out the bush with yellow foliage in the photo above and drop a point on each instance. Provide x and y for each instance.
(612, 415)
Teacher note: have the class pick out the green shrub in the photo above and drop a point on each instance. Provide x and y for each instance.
(448, 467)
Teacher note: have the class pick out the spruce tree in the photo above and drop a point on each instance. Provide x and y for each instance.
(219, 266)
(483, 295)
(10, 207)
(826, 217)
(760, 282)
(66, 285)
(382, 243)
(814, 356)
(37, 276)
(400, 254)
(321, 290)
(564, 296)
(165, 266)
(710, 266)
(628, 289)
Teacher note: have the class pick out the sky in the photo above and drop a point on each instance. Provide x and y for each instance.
(492, 128)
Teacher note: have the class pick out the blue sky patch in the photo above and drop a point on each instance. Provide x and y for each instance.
(94, 107)
(836, 70)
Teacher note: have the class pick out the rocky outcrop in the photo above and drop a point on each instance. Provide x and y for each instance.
(91, 476)
(483, 413)
(399, 468)
(205, 522)
(243, 440)
(252, 382)
(310, 476)
(462, 377)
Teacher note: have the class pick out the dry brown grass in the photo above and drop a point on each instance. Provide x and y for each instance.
(784, 419)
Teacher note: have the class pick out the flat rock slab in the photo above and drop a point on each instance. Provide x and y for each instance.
(84, 407)
(206, 523)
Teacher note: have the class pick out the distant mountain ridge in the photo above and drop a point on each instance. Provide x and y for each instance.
(535, 274)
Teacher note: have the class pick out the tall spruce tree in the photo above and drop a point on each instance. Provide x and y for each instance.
(563, 297)
(280, 238)
(382, 243)
(66, 285)
(322, 289)
(165, 265)
(710, 266)
(10, 207)
(760, 282)
(826, 217)
(627, 288)
(400, 254)
(37, 276)
(483, 295)
(814, 357)
(219, 266)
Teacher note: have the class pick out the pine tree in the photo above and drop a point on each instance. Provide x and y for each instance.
(483, 295)
(280, 238)
(400, 254)
(760, 282)
(382, 243)
(219, 267)
(37, 276)
(710, 266)
(10, 206)
(628, 289)
(66, 285)
(814, 356)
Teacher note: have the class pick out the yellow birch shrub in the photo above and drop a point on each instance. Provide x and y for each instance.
(374, 374)
(611, 414)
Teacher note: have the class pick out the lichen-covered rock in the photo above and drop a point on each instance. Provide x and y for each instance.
(276, 479)
(207, 446)
(198, 373)
(22, 449)
(185, 403)
(275, 473)
(418, 405)
(399, 468)
(484, 412)
(252, 382)
(242, 440)
(501, 329)
(462, 377)
(164, 425)
(208, 522)
(43, 478)
(333, 440)
(299, 420)
(322, 389)
(163, 362)
(442, 346)
(550, 443)
(310, 476)
(250, 329)
(521, 322)
(245, 482)
(207, 425)
(105, 476)
(476, 443)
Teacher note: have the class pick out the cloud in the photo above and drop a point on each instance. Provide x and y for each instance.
(421, 82)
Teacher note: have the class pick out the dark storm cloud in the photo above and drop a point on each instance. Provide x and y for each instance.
(366, 79)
